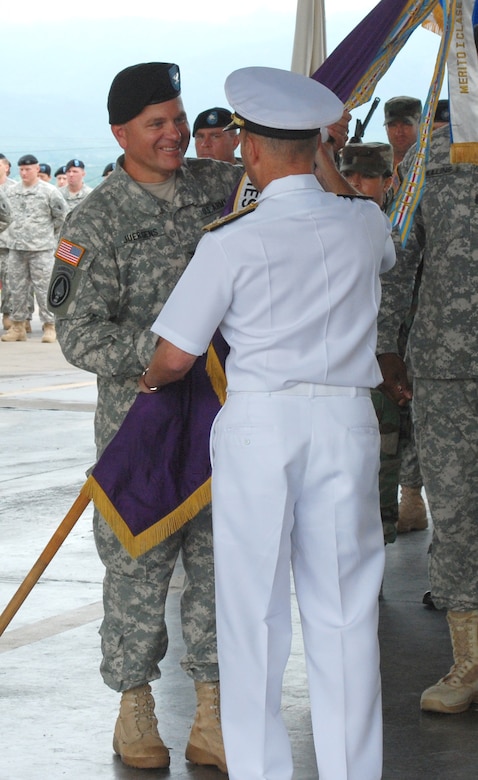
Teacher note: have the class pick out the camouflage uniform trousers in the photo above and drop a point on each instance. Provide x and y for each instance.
(410, 474)
(446, 429)
(6, 304)
(388, 415)
(27, 269)
(134, 633)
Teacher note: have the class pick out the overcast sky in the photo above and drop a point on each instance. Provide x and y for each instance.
(58, 60)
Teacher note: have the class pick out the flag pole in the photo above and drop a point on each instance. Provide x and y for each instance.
(66, 525)
(309, 50)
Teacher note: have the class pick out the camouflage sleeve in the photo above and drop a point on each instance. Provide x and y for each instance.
(58, 210)
(5, 212)
(397, 288)
(85, 302)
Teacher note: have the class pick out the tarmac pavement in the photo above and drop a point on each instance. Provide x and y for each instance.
(56, 714)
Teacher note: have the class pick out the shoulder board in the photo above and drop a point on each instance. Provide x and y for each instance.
(354, 197)
(229, 217)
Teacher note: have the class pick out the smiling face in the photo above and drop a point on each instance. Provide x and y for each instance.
(155, 141)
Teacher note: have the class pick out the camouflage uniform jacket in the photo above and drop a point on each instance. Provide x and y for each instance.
(5, 212)
(73, 199)
(132, 250)
(443, 341)
(38, 213)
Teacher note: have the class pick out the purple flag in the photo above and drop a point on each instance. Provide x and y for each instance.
(155, 474)
(343, 69)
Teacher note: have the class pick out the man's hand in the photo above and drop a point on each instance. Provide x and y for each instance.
(339, 132)
(395, 383)
(327, 173)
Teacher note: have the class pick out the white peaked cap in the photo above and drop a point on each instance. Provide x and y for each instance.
(279, 103)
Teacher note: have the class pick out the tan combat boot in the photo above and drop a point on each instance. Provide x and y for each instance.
(136, 738)
(205, 746)
(16, 332)
(459, 688)
(6, 322)
(49, 333)
(412, 512)
(28, 326)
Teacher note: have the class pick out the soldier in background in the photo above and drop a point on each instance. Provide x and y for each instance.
(75, 189)
(5, 184)
(369, 167)
(209, 136)
(38, 211)
(109, 168)
(60, 176)
(443, 351)
(45, 172)
(5, 212)
(402, 121)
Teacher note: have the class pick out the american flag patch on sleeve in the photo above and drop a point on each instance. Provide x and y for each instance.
(70, 253)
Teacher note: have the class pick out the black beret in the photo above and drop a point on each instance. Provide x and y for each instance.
(61, 170)
(28, 159)
(45, 168)
(213, 117)
(74, 164)
(442, 111)
(109, 168)
(142, 85)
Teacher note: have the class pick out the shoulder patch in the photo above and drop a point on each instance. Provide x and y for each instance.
(69, 253)
(229, 217)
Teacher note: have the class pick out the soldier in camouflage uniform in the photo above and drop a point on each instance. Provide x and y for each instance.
(121, 253)
(5, 213)
(443, 351)
(402, 122)
(368, 167)
(75, 189)
(5, 220)
(38, 211)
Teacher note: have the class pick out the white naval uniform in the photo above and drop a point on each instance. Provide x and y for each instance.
(294, 287)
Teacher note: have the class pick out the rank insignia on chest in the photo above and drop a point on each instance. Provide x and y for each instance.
(69, 253)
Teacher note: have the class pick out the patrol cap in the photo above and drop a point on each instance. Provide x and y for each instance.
(442, 111)
(108, 168)
(45, 168)
(372, 159)
(212, 117)
(406, 109)
(74, 164)
(28, 159)
(61, 170)
(279, 103)
(142, 85)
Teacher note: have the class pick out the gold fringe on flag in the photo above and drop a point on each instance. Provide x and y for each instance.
(464, 153)
(157, 533)
(216, 374)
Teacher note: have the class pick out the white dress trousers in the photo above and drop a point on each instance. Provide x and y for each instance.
(295, 481)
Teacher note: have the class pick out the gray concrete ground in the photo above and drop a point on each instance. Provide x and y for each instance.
(57, 716)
